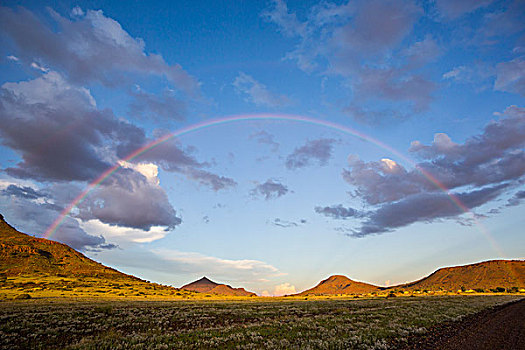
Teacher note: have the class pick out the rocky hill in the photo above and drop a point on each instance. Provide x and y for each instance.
(339, 284)
(204, 285)
(38, 267)
(484, 275)
(23, 254)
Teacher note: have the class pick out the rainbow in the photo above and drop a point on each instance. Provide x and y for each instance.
(262, 117)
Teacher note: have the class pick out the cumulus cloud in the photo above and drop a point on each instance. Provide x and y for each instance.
(228, 269)
(257, 93)
(312, 152)
(90, 47)
(130, 199)
(280, 290)
(476, 172)
(270, 189)
(62, 136)
(56, 128)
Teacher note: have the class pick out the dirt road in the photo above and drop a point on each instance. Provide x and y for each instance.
(501, 328)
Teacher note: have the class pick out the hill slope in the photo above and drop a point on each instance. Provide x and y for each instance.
(339, 284)
(484, 275)
(44, 268)
(23, 254)
(204, 285)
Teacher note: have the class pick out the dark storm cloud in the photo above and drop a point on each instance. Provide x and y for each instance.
(35, 217)
(270, 189)
(492, 157)
(61, 135)
(56, 129)
(423, 207)
(129, 199)
(312, 152)
(91, 47)
(338, 212)
(482, 168)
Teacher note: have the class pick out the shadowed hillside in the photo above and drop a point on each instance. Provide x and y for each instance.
(338, 284)
(204, 285)
(485, 275)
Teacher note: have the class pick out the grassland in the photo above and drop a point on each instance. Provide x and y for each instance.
(243, 323)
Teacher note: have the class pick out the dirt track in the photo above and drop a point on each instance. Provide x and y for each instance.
(502, 327)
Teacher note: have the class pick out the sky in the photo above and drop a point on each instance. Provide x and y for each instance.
(266, 144)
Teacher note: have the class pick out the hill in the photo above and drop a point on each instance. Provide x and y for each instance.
(43, 268)
(204, 285)
(485, 275)
(339, 284)
(23, 254)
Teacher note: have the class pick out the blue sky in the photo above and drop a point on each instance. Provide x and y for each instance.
(271, 205)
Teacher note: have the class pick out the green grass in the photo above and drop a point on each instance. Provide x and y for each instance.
(243, 324)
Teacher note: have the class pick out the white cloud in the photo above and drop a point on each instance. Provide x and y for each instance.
(122, 235)
(389, 165)
(77, 12)
(39, 67)
(47, 89)
(454, 73)
(149, 170)
(218, 268)
(280, 290)
(12, 58)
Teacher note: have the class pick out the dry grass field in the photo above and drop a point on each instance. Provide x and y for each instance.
(237, 323)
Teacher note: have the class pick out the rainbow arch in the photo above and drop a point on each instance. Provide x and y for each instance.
(261, 117)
